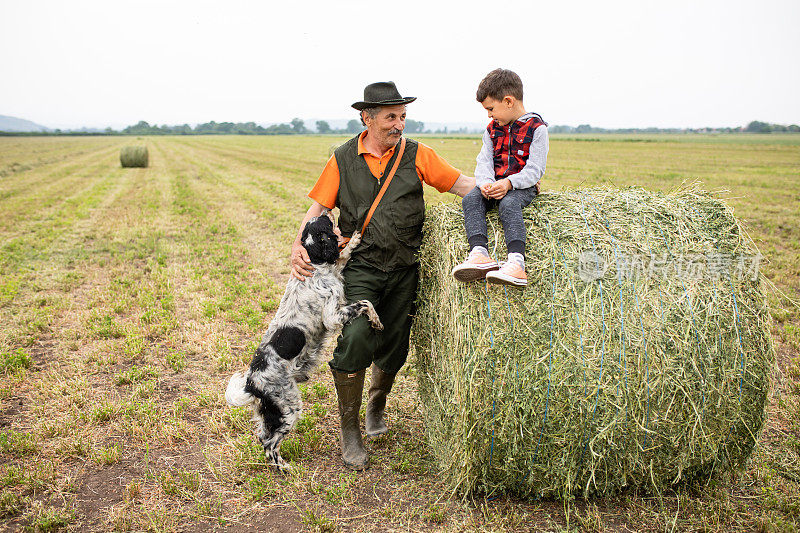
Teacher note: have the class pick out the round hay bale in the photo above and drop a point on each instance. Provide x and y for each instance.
(134, 156)
(639, 354)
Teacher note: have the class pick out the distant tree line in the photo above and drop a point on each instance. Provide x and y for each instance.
(764, 127)
(297, 127)
(753, 127)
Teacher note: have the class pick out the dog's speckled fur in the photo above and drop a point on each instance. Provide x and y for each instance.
(310, 312)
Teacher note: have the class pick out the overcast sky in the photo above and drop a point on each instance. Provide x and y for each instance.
(676, 63)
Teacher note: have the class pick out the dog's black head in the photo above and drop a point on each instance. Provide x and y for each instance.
(320, 241)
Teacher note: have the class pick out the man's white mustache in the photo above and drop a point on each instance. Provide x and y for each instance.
(395, 132)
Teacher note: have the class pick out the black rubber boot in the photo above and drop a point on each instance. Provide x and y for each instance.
(349, 388)
(380, 388)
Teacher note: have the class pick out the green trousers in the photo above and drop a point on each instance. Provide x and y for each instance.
(392, 294)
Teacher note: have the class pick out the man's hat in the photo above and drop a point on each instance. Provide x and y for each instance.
(382, 93)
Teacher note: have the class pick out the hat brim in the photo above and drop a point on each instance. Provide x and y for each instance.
(399, 101)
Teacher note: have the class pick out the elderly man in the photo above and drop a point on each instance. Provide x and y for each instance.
(383, 269)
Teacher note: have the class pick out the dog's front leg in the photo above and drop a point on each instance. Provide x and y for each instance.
(337, 317)
(345, 254)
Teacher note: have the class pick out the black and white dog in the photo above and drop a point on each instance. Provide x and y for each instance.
(310, 312)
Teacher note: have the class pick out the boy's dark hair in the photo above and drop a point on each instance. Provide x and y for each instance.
(500, 83)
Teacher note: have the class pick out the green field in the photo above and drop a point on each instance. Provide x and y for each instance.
(129, 296)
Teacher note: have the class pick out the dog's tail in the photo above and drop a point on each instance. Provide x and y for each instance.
(235, 394)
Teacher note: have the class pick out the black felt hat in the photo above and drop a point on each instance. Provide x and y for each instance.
(382, 93)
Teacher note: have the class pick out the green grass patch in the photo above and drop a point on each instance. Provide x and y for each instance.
(12, 504)
(14, 361)
(16, 443)
(135, 374)
(9, 288)
(44, 520)
(176, 360)
(249, 455)
(180, 483)
(103, 412)
(321, 390)
(102, 326)
(261, 486)
(107, 455)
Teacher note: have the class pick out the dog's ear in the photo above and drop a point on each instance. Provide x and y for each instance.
(307, 238)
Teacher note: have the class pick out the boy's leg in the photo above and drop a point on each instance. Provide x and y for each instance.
(511, 205)
(478, 263)
(475, 206)
(510, 211)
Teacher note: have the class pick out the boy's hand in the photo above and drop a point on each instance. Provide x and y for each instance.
(499, 189)
(485, 190)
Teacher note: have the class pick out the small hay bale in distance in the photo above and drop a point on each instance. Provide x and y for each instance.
(639, 354)
(134, 156)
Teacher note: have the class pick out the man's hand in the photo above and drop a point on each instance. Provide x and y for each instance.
(499, 189)
(301, 263)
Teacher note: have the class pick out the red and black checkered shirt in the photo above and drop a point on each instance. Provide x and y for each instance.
(512, 144)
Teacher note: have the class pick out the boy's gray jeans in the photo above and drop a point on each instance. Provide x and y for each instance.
(509, 207)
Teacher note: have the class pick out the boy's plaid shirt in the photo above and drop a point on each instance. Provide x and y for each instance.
(512, 144)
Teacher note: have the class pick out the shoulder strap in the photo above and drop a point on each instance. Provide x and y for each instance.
(385, 184)
(381, 192)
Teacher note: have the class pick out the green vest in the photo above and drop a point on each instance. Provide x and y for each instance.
(394, 233)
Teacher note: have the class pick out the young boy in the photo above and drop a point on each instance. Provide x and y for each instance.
(509, 167)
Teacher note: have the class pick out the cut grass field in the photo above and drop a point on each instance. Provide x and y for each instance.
(129, 296)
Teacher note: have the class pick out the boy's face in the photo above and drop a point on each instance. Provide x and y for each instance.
(502, 111)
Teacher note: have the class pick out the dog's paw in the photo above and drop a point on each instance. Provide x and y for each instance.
(280, 465)
(372, 315)
(355, 239)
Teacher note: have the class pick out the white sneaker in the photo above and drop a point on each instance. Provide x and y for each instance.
(475, 267)
(509, 274)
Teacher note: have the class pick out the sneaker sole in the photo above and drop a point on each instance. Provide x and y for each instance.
(473, 273)
(500, 279)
